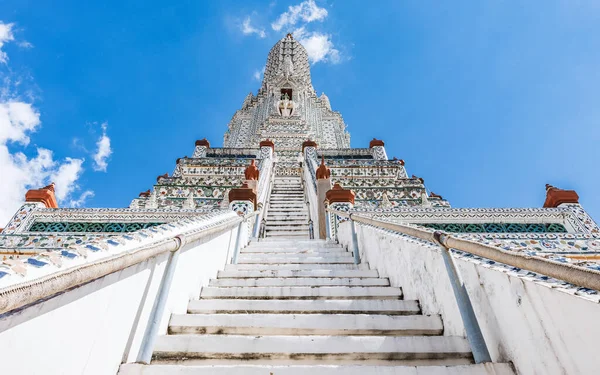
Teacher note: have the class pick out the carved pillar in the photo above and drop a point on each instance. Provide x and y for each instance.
(339, 199)
(44, 195)
(556, 197)
(242, 200)
(267, 148)
(378, 149)
(201, 146)
(323, 186)
(580, 220)
(251, 174)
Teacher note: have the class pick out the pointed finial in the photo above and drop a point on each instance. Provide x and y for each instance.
(251, 172)
(323, 172)
(555, 196)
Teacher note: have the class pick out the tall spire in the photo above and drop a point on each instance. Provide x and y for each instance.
(287, 60)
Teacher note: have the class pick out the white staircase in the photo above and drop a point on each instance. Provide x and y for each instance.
(294, 306)
(287, 214)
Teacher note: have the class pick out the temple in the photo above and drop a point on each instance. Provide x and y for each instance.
(287, 251)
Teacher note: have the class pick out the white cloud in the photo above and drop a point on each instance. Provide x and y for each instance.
(18, 120)
(319, 46)
(103, 152)
(307, 11)
(25, 44)
(6, 35)
(65, 177)
(248, 29)
(258, 74)
(21, 173)
(79, 202)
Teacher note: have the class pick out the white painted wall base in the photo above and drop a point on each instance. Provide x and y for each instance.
(539, 329)
(93, 328)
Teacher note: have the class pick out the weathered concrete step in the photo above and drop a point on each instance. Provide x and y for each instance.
(275, 233)
(331, 306)
(295, 266)
(301, 292)
(271, 232)
(283, 207)
(306, 324)
(278, 259)
(305, 244)
(292, 216)
(311, 347)
(301, 281)
(282, 210)
(294, 250)
(250, 273)
(283, 223)
(316, 369)
(297, 253)
(291, 228)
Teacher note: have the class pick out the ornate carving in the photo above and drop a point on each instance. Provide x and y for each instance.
(555, 196)
(44, 195)
(251, 173)
(323, 172)
(339, 195)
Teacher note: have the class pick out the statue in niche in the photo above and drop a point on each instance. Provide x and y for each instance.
(288, 67)
(285, 105)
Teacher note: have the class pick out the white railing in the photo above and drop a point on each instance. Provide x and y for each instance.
(310, 193)
(265, 185)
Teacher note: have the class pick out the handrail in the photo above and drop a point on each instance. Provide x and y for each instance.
(310, 194)
(575, 275)
(265, 206)
(22, 294)
(585, 277)
(264, 194)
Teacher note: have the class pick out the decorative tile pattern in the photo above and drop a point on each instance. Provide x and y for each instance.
(83, 227)
(497, 227)
(16, 267)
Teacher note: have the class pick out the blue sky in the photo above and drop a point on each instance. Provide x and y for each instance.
(487, 101)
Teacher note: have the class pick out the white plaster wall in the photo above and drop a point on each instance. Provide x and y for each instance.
(541, 330)
(93, 328)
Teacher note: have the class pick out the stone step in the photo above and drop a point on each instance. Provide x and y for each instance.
(304, 244)
(288, 204)
(330, 273)
(301, 281)
(280, 223)
(283, 216)
(292, 230)
(285, 197)
(303, 234)
(284, 210)
(292, 250)
(276, 206)
(257, 306)
(300, 292)
(316, 369)
(291, 202)
(302, 258)
(295, 266)
(306, 324)
(311, 347)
